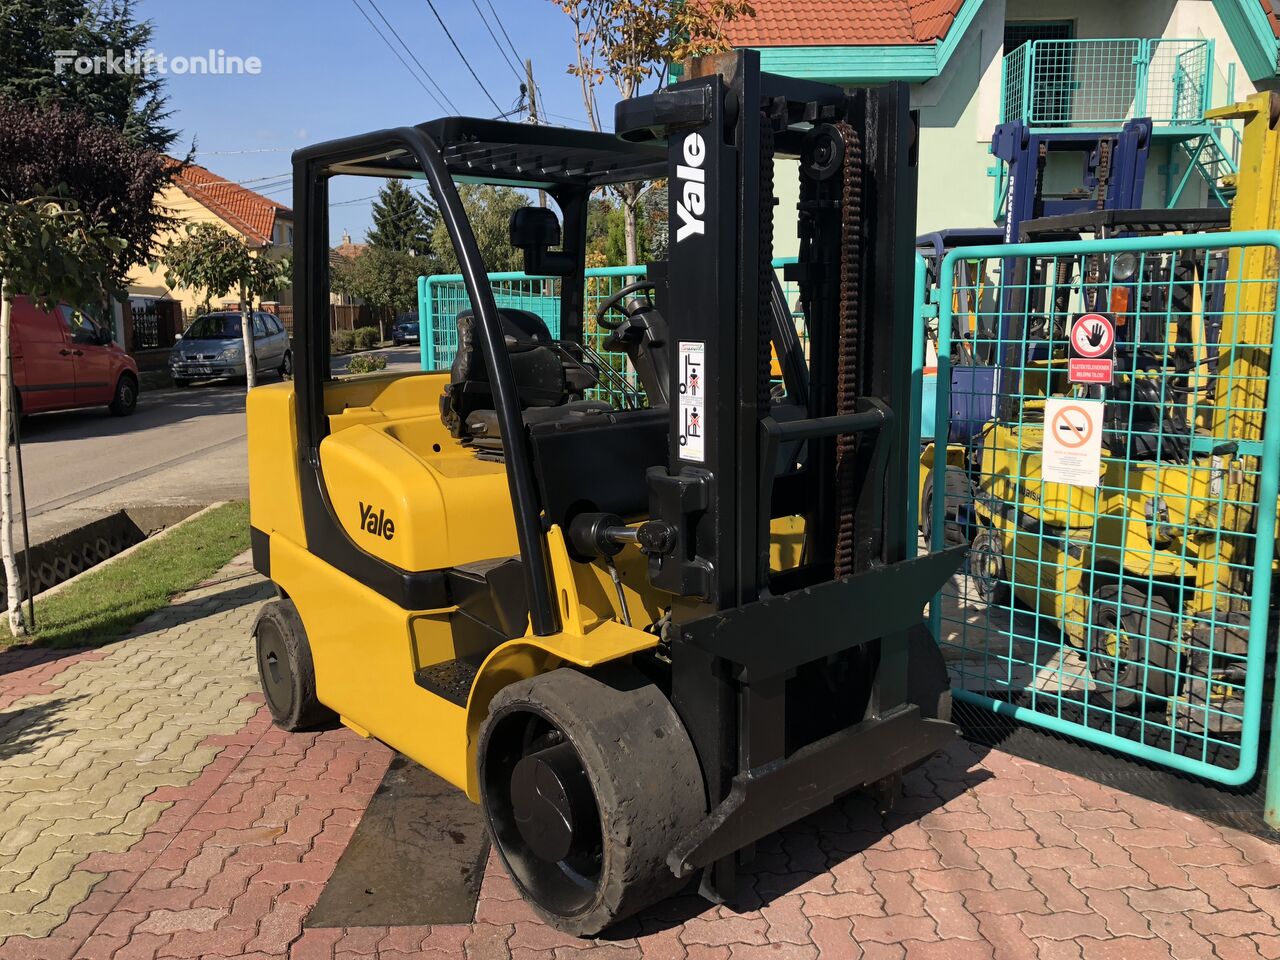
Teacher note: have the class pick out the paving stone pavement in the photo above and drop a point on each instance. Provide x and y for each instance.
(226, 848)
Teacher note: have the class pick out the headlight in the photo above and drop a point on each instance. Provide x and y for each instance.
(234, 352)
(1124, 266)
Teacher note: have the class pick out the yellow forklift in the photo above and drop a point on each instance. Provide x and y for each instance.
(1150, 572)
(641, 639)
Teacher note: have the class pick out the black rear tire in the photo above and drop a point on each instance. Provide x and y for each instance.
(285, 668)
(958, 510)
(1132, 647)
(125, 400)
(617, 782)
(987, 569)
(286, 366)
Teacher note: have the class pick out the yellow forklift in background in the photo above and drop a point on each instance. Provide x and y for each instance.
(641, 639)
(1150, 572)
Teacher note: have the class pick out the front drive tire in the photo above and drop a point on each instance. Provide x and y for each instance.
(125, 400)
(285, 668)
(585, 788)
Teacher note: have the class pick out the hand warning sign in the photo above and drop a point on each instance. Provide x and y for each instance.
(1092, 336)
(1072, 450)
(1093, 339)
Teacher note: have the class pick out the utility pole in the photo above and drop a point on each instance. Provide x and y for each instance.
(533, 112)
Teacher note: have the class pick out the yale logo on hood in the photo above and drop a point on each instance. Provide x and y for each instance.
(379, 524)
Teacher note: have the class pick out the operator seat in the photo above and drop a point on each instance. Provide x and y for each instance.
(550, 380)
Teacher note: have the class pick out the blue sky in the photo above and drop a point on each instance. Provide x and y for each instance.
(325, 73)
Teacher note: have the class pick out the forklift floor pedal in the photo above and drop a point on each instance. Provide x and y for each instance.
(450, 679)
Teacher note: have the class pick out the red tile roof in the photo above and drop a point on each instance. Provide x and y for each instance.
(250, 213)
(812, 23)
(1273, 15)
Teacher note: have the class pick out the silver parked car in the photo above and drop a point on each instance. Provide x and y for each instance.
(213, 347)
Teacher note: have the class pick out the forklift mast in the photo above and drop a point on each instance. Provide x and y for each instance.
(776, 700)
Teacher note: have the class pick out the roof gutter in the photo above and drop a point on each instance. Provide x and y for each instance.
(1251, 34)
(849, 64)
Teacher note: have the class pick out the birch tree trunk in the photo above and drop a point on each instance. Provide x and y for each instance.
(12, 587)
(246, 332)
(629, 200)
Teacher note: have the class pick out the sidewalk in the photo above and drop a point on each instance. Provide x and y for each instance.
(149, 809)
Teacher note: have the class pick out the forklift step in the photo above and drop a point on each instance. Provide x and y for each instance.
(450, 679)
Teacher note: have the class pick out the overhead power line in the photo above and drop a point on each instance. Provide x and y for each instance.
(402, 60)
(465, 61)
(414, 56)
(501, 51)
(498, 20)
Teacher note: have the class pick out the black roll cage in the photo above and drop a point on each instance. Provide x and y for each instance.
(568, 164)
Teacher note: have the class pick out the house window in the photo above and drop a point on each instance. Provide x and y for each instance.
(1053, 75)
(1018, 32)
(288, 235)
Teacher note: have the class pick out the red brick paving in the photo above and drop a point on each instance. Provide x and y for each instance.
(985, 856)
(29, 670)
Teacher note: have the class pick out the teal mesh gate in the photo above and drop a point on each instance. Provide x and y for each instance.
(1111, 461)
(443, 296)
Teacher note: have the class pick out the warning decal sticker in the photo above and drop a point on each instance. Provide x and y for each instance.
(692, 407)
(1072, 441)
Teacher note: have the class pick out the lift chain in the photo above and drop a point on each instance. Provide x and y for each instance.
(848, 379)
(764, 295)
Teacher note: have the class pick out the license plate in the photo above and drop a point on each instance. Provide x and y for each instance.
(201, 368)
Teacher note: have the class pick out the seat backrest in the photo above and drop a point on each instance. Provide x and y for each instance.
(536, 365)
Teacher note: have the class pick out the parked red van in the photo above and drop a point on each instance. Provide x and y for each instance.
(63, 359)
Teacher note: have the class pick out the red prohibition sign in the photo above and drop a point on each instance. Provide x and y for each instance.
(1093, 336)
(1069, 434)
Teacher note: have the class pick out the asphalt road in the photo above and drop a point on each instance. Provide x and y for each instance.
(179, 446)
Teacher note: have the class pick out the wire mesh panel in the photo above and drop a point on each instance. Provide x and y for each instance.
(1014, 99)
(1103, 83)
(1114, 482)
(442, 297)
(1178, 76)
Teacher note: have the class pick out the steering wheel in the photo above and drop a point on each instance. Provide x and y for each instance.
(615, 301)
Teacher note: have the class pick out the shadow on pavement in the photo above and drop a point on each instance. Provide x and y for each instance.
(196, 608)
(821, 842)
(157, 409)
(23, 658)
(25, 729)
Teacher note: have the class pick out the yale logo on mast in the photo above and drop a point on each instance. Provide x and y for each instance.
(691, 180)
(379, 524)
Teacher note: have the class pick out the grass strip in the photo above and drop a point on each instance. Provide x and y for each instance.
(105, 603)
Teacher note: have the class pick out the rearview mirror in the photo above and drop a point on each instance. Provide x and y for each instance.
(535, 230)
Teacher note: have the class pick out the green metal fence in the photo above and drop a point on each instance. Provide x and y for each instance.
(443, 296)
(1102, 83)
(1120, 530)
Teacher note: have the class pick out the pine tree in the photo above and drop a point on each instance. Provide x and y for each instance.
(32, 30)
(402, 219)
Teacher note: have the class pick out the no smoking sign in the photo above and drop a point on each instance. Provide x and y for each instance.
(1093, 340)
(1072, 451)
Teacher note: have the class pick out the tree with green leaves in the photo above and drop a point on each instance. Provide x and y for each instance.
(215, 263)
(629, 42)
(489, 210)
(384, 279)
(33, 31)
(50, 251)
(402, 219)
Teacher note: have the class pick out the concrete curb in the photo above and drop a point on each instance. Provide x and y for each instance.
(58, 588)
